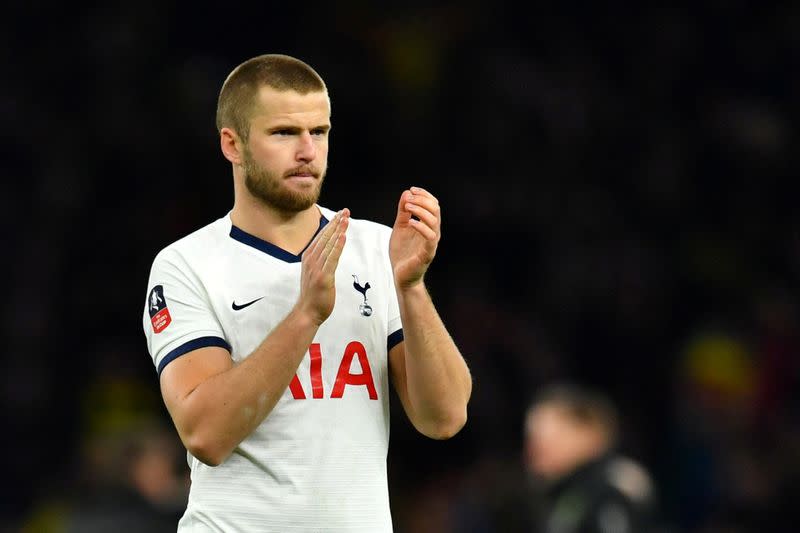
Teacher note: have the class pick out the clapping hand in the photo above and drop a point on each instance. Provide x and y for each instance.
(415, 236)
(318, 275)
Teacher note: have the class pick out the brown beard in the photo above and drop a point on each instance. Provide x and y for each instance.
(268, 187)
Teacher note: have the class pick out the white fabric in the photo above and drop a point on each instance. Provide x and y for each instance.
(314, 464)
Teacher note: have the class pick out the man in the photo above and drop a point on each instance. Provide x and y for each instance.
(276, 329)
(585, 486)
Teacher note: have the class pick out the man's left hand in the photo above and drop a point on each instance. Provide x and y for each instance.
(415, 236)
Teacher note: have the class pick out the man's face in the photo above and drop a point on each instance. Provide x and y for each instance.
(286, 155)
(555, 444)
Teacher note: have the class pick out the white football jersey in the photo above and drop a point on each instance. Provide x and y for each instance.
(318, 461)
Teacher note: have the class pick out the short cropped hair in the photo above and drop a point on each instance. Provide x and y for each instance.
(583, 406)
(237, 98)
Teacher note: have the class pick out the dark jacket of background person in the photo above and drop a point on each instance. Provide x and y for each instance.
(612, 494)
(581, 482)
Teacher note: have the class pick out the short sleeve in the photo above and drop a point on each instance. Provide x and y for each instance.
(178, 316)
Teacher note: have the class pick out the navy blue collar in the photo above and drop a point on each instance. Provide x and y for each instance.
(268, 248)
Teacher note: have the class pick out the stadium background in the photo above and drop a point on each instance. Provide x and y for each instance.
(616, 183)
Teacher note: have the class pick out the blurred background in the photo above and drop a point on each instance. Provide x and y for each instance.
(616, 183)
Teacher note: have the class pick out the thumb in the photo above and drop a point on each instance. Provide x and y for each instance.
(403, 214)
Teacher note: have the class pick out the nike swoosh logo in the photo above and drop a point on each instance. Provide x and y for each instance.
(240, 307)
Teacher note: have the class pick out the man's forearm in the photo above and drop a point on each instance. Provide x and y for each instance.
(226, 408)
(438, 379)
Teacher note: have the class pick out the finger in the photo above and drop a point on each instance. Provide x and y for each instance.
(419, 191)
(341, 227)
(321, 236)
(430, 219)
(403, 214)
(318, 243)
(423, 229)
(332, 261)
(426, 202)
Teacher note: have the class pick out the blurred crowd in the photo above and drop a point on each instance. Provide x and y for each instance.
(615, 183)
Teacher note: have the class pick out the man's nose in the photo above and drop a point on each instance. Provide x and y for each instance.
(307, 150)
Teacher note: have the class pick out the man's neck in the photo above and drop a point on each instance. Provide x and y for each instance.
(289, 231)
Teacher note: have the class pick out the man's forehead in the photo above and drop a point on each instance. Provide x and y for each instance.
(291, 105)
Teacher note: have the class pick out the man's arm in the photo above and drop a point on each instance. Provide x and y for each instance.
(431, 377)
(216, 404)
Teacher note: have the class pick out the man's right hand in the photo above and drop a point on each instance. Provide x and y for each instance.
(318, 275)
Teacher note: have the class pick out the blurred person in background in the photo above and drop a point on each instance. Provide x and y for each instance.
(135, 484)
(582, 483)
(129, 475)
(130, 482)
(275, 342)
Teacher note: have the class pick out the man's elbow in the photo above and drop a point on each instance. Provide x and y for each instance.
(208, 451)
(446, 427)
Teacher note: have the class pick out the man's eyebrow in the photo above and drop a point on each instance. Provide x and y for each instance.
(294, 129)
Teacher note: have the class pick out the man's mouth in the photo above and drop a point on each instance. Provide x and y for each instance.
(302, 173)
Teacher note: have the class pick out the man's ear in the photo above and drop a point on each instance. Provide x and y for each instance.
(231, 145)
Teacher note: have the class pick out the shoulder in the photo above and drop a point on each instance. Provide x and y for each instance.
(195, 245)
(630, 478)
(625, 503)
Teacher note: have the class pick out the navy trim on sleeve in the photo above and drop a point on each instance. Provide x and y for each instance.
(187, 347)
(395, 339)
